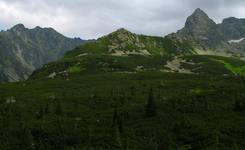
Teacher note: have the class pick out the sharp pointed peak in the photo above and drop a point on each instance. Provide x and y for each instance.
(199, 12)
(196, 23)
(199, 16)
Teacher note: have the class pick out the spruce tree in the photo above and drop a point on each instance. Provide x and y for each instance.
(46, 109)
(40, 113)
(116, 128)
(58, 109)
(237, 106)
(117, 120)
(150, 108)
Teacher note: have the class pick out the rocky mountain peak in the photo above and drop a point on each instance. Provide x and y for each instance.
(18, 27)
(199, 20)
(199, 12)
(122, 35)
(30, 49)
(121, 31)
(199, 27)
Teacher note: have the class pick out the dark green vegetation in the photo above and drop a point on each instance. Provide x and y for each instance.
(119, 111)
(24, 50)
(108, 102)
(115, 93)
(214, 65)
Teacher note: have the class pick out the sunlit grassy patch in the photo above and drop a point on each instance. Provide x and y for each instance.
(74, 69)
(236, 70)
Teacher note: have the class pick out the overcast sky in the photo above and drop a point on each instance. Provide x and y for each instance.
(94, 18)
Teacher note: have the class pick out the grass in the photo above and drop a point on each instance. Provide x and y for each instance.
(236, 70)
(74, 69)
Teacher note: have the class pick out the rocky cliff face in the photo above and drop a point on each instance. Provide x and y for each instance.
(233, 28)
(214, 38)
(23, 50)
(200, 28)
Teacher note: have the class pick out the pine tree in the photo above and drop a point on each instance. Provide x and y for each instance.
(151, 109)
(117, 120)
(217, 142)
(40, 113)
(58, 109)
(27, 140)
(117, 128)
(237, 106)
(46, 109)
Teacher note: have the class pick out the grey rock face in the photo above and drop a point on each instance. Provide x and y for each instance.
(23, 50)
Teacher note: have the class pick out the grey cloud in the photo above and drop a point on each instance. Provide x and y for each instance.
(94, 18)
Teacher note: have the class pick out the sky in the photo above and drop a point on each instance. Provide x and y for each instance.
(89, 19)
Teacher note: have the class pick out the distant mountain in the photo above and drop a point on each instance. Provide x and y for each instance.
(200, 28)
(201, 47)
(233, 28)
(24, 50)
(211, 38)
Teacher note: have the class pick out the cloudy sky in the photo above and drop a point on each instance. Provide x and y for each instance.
(93, 18)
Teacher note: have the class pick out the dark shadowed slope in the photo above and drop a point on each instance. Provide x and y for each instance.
(23, 50)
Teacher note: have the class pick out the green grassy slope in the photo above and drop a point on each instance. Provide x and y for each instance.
(125, 41)
(215, 65)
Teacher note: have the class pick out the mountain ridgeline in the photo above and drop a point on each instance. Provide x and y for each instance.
(24, 50)
(198, 48)
(120, 51)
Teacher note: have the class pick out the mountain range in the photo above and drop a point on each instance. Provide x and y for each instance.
(125, 91)
(24, 50)
(198, 48)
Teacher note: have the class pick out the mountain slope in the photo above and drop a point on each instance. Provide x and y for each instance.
(23, 50)
(125, 43)
(120, 51)
(123, 51)
(98, 57)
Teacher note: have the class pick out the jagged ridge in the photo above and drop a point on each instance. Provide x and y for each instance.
(24, 50)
